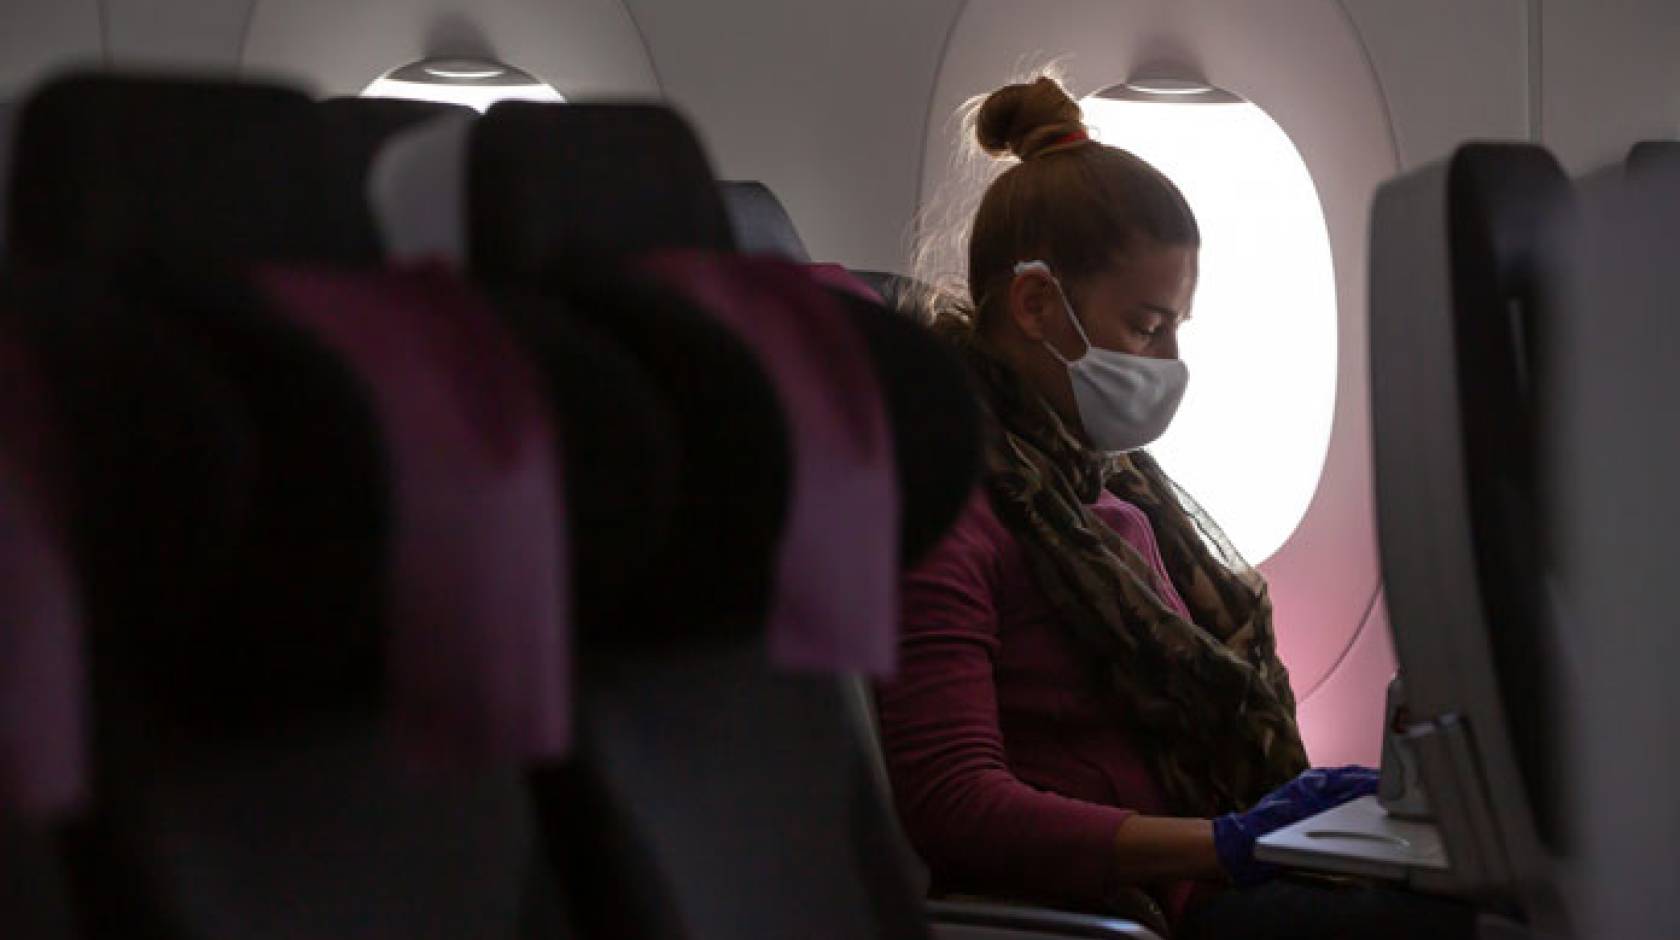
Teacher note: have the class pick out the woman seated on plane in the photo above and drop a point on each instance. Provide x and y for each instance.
(1090, 711)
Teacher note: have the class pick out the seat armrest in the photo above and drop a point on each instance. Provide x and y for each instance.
(963, 920)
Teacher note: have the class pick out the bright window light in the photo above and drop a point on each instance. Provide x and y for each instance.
(478, 84)
(1250, 440)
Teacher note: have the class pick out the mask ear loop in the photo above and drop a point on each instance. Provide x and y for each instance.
(1026, 267)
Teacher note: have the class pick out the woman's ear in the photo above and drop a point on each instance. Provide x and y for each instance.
(1032, 301)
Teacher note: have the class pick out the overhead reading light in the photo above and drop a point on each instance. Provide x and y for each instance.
(1162, 82)
(476, 83)
(465, 70)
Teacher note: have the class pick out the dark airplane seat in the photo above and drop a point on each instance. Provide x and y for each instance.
(621, 491)
(117, 170)
(252, 782)
(935, 421)
(716, 795)
(590, 179)
(553, 195)
(761, 224)
(282, 511)
(664, 356)
(892, 288)
(1460, 377)
(1613, 502)
(1654, 158)
(679, 708)
(930, 397)
(936, 432)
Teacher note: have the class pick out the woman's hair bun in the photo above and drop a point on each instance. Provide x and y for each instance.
(1024, 119)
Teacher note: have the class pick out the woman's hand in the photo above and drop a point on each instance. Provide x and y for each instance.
(1311, 793)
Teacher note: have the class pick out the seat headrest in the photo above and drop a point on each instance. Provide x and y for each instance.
(935, 412)
(897, 292)
(550, 183)
(761, 224)
(358, 127)
(1500, 197)
(479, 583)
(621, 500)
(835, 604)
(713, 577)
(417, 186)
(1654, 156)
(1508, 204)
(114, 170)
(156, 532)
(42, 751)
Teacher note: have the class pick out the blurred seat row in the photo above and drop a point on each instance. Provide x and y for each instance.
(425, 525)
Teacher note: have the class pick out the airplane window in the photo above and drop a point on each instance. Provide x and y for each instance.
(472, 82)
(1250, 440)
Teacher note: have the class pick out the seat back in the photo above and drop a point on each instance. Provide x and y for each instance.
(1461, 299)
(761, 225)
(598, 180)
(1613, 350)
(695, 748)
(1657, 158)
(239, 771)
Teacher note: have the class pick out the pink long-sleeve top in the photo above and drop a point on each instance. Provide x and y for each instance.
(1012, 770)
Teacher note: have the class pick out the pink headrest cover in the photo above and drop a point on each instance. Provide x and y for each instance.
(480, 594)
(835, 606)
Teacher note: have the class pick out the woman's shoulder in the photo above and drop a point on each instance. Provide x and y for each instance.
(977, 533)
(961, 574)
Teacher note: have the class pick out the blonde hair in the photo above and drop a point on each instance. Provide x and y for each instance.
(1051, 195)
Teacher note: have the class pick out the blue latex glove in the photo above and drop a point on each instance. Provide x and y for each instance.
(1309, 794)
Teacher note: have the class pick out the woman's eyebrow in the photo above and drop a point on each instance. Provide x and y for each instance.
(1164, 312)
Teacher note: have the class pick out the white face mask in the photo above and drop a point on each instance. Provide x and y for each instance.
(1125, 402)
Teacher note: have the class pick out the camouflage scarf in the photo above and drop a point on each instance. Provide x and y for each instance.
(1207, 701)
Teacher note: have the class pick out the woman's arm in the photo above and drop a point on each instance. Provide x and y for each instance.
(1166, 848)
(970, 817)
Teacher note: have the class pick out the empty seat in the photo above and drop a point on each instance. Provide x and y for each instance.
(762, 226)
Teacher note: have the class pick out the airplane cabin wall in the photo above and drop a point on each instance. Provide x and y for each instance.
(37, 36)
(176, 33)
(1610, 76)
(824, 101)
(1450, 71)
